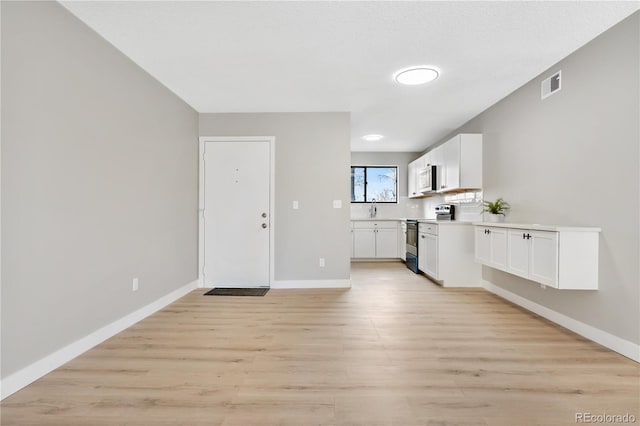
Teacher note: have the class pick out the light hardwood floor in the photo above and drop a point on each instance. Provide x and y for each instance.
(395, 349)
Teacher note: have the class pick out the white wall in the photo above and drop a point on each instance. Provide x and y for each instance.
(99, 184)
(573, 159)
(312, 167)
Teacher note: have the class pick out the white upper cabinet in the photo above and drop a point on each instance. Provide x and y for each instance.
(460, 163)
(437, 156)
(427, 159)
(451, 164)
(412, 179)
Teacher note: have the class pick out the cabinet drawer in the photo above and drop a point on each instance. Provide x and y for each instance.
(363, 225)
(377, 224)
(428, 228)
(388, 224)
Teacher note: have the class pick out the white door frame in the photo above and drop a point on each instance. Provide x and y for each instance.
(272, 184)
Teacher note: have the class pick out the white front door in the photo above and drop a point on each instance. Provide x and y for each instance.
(237, 216)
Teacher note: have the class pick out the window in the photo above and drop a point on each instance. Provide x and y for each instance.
(374, 183)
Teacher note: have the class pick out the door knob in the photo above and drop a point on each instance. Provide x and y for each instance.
(264, 215)
(264, 225)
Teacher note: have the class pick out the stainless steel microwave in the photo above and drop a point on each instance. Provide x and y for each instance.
(427, 178)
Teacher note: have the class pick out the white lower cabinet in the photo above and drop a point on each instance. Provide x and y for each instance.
(387, 242)
(518, 253)
(430, 257)
(375, 239)
(364, 242)
(534, 255)
(543, 257)
(565, 258)
(445, 254)
(491, 247)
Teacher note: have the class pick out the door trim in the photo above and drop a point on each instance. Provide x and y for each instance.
(272, 184)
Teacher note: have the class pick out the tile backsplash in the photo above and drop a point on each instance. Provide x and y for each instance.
(468, 207)
(405, 207)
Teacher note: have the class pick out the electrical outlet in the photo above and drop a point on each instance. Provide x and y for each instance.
(322, 262)
(134, 287)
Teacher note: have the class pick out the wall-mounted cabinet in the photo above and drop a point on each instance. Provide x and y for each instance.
(491, 247)
(458, 166)
(533, 255)
(461, 163)
(412, 178)
(558, 257)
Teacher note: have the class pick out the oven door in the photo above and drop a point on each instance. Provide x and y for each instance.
(412, 238)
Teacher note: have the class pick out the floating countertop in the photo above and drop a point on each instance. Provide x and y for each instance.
(539, 227)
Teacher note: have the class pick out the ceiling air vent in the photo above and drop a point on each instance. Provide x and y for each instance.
(551, 85)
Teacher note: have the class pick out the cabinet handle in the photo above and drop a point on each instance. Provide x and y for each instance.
(528, 236)
(524, 235)
(421, 236)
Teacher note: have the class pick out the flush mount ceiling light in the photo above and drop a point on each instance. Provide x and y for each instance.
(416, 75)
(372, 138)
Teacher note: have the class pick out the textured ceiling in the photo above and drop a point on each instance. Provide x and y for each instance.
(341, 56)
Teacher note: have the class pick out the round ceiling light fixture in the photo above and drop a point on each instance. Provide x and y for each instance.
(416, 75)
(372, 138)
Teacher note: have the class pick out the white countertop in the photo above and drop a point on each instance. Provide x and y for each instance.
(402, 219)
(539, 227)
(368, 219)
(443, 222)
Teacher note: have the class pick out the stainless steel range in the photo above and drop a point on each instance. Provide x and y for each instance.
(412, 245)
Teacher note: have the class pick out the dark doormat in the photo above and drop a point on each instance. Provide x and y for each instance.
(238, 291)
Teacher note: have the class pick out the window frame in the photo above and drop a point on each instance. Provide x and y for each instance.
(375, 166)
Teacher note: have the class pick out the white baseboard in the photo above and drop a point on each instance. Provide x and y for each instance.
(280, 284)
(624, 347)
(33, 372)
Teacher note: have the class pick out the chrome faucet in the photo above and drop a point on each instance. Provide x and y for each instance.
(373, 210)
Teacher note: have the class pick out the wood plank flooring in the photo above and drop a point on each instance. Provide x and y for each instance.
(395, 349)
